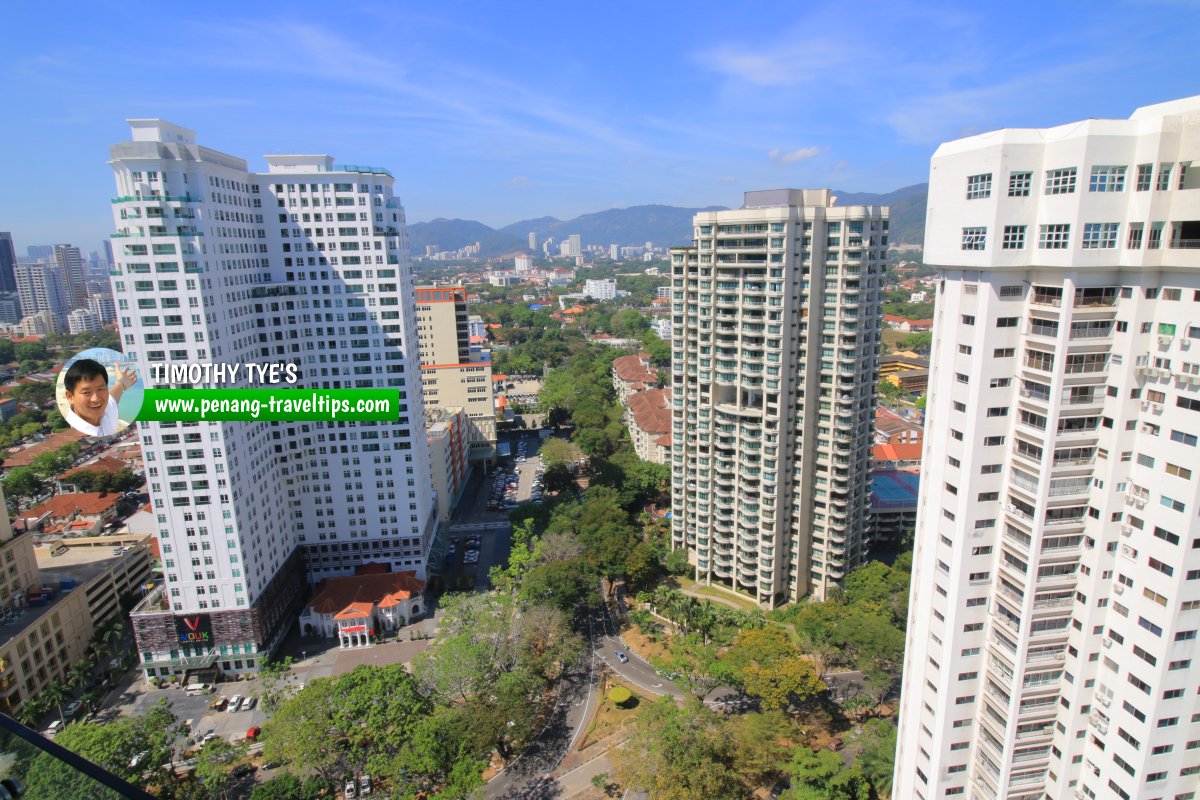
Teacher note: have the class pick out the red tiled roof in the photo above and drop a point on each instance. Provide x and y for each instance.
(23, 458)
(355, 611)
(634, 368)
(664, 440)
(104, 464)
(335, 595)
(64, 505)
(651, 410)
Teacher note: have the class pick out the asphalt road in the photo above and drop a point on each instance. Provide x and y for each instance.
(528, 777)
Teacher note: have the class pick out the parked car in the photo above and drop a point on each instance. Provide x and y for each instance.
(208, 737)
(234, 702)
(248, 703)
(72, 708)
(351, 789)
(253, 733)
(364, 786)
(54, 728)
(220, 703)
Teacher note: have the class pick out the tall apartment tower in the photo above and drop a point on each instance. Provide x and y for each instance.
(8, 260)
(775, 353)
(70, 261)
(306, 263)
(1056, 581)
(42, 287)
(455, 373)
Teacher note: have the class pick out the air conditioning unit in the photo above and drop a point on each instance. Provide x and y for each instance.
(1145, 405)
(1165, 341)
(1126, 530)
(1107, 642)
(1118, 588)
(1185, 343)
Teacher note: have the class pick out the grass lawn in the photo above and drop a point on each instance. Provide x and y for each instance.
(611, 718)
(891, 340)
(712, 593)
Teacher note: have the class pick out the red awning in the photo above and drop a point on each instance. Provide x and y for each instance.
(353, 629)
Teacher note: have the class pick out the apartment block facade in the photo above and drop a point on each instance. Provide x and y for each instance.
(455, 373)
(775, 348)
(307, 264)
(1055, 608)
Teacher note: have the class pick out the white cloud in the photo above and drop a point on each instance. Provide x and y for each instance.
(800, 154)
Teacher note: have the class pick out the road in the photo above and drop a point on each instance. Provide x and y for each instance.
(528, 776)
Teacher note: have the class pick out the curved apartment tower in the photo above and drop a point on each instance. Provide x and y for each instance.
(1056, 580)
(775, 354)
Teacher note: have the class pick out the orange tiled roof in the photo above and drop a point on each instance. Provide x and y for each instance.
(105, 464)
(64, 505)
(354, 611)
(896, 452)
(23, 458)
(634, 368)
(337, 595)
(651, 410)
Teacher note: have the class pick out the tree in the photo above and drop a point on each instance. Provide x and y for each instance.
(642, 566)
(920, 402)
(132, 748)
(272, 675)
(287, 787)
(47, 465)
(769, 667)
(677, 562)
(619, 695)
(81, 672)
(213, 765)
(558, 478)
(23, 482)
(448, 753)
(822, 775)
(920, 342)
(889, 390)
(562, 584)
(877, 754)
(678, 753)
(54, 695)
(760, 744)
(555, 451)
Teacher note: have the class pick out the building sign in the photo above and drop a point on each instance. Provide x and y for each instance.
(194, 629)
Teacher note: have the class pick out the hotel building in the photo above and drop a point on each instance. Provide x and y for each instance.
(306, 263)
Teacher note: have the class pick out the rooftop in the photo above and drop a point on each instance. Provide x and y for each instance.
(336, 595)
(23, 458)
(64, 505)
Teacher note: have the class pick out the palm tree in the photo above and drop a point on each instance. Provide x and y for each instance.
(54, 694)
(81, 672)
(31, 711)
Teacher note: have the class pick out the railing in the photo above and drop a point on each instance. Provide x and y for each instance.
(1184, 244)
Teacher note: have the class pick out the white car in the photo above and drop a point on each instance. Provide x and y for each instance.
(350, 790)
(72, 708)
(234, 702)
(247, 703)
(364, 786)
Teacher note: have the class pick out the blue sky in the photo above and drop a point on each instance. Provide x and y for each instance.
(503, 111)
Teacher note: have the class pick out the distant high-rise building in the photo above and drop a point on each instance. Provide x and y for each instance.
(70, 262)
(108, 251)
(270, 506)
(83, 320)
(775, 352)
(574, 245)
(600, 289)
(614, 252)
(8, 260)
(522, 264)
(533, 240)
(10, 308)
(1052, 631)
(455, 373)
(42, 287)
(40, 252)
(101, 304)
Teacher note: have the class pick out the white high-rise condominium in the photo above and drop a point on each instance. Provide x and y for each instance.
(306, 263)
(1056, 581)
(775, 353)
(70, 261)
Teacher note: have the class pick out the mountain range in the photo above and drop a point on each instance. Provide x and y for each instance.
(636, 225)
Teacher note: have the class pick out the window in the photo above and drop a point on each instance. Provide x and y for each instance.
(998, 411)
(1183, 438)
(1014, 239)
(1061, 181)
(993, 441)
(1107, 179)
(1006, 322)
(974, 238)
(979, 186)
(1135, 236)
(1019, 184)
(1171, 503)
(1144, 171)
(1100, 235)
(1054, 237)
(1178, 471)
(1004, 352)
(1164, 177)
(968, 319)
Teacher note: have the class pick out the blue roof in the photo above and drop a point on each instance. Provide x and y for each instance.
(535, 307)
